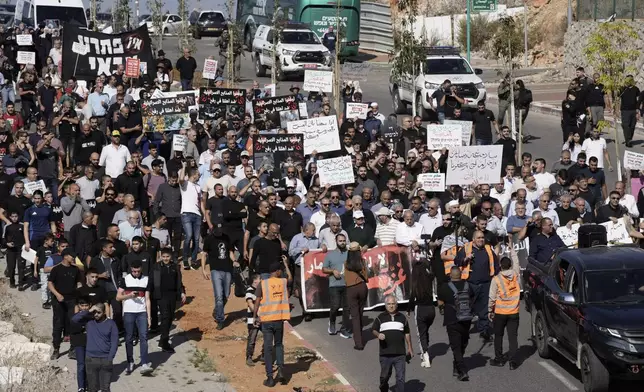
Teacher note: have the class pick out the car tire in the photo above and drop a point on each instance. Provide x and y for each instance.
(594, 374)
(260, 70)
(166, 31)
(420, 110)
(541, 336)
(399, 105)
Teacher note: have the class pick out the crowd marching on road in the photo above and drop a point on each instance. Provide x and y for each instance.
(112, 214)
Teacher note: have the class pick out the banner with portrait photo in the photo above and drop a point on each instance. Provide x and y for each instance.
(263, 107)
(102, 53)
(269, 149)
(215, 102)
(167, 114)
(388, 272)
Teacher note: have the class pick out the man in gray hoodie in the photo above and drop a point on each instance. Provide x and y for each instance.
(73, 207)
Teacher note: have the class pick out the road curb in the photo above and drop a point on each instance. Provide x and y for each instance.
(550, 110)
(345, 383)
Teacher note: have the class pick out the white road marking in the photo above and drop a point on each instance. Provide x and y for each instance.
(294, 332)
(557, 374)
(341, 378)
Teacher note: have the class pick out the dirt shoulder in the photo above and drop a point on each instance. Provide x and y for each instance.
(227, 347)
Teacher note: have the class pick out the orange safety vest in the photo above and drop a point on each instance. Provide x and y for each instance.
(490, 256)
(448, 264)
(507, 295)
(274, 304)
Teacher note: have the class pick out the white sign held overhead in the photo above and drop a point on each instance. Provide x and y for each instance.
(356, 110)
(79, 48)
(304, 111)
(633, 160)
(617, 233)
(25, 57)
(466, 129)
(432, 182)
(356, 71)
(33, 186)
(469, 164)
(318, 81)
(209, 69)
(270, 88)
(448, 135)
(569, 236)
(24, 40)
(179, 142)
(320, 133)
(336, 171)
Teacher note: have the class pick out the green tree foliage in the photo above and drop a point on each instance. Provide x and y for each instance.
(608, 53)
(156, 10)
(482, 30)
(186, 40)
(507, 42)
(122, 13)
(409, 52)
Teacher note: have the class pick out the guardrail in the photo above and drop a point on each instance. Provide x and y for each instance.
(376, 32)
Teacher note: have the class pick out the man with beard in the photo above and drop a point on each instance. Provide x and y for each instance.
(167, 201)
(334, 267)
(82, 237)
(131, 183)
(89, 142)
(233, 214)
(611, 211)
(214, 208)
(104, 211)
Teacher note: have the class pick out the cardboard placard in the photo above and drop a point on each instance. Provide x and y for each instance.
(633, 160)
(304, 111)
(431, 182)
(617, 233)
(318, 81)
(25, 57)
(31, 187)
(570, 237)
(132, 67)
(466, 129)
(336, 171)
(469, 164)
(209, 69)
(24, 40)
(439, 136)
(320, 133)
(356, 110)
(179, 142)
(356, 71)
(80, 49)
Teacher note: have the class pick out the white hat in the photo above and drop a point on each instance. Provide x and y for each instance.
(383, 211)
(373, 105)
(358, 214)
(453, 203)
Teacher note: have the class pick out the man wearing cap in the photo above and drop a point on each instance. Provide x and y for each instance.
(114, 156)
(376, 114)
(360, 232)
(386, 230)
(295, 89)
(245, 162)
(63, 281)
(167, 64)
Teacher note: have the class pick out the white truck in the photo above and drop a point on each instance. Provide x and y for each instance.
(440, 63)
(298, 48)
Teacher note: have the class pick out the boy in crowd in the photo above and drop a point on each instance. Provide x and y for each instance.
(78, 339)
(252, 329)
(14, 240)
(40, 277)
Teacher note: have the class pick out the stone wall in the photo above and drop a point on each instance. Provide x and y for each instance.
(576, 38)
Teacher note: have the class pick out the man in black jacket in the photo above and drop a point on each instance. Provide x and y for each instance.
(137, 253)
(83, 236)
(168, 202)
(167, 289)
(109, 273)
(89, 141)
(131, 182)
(234, 211)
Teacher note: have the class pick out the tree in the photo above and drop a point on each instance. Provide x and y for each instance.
(607, 52)
(186, 40)
(234, 42)
(278, 24)
(156, 10)
(121, 15)
(409, 52)
(340, 35)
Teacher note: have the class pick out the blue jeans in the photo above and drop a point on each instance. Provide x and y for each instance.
(441, 117)
(264, 276)
(52, 186)
(483, 142)
(80, 366)
(140, 322)
(191, 223)
(221, 287)
(186, 84)
(8, 94)
(387, 364)
(481, 295)
(273, 330)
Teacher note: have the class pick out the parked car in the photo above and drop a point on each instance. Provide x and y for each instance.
(171, 24)
(207, 23)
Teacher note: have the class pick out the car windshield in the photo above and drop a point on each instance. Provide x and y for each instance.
(615, 286)
(146, 17)
(299, 37)
(6, 18)
(63, 14)
(103, 17)
(212, 16)
(447, 66)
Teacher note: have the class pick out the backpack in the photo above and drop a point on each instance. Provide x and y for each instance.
(462, 302)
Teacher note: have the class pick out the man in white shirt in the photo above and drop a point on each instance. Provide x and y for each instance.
(292, 180)
(88, 184)
(245, 162)
(214, 179)
(501, 193)
(409, 233)
(543, 178)
(114, 156)
(387, 227)
(154, 154)
(626, 200)
(191, 214)
(521, 198)
(432, 218)
(546, 211)
(319, 217)
(209, 154)
(595, 146)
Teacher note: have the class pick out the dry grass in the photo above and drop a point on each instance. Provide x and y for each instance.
(10, 313)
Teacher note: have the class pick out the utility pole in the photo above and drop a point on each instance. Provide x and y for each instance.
(136, 13)
(569, 13)
(337, 68)
(92, 13)
(525, 34)
(469, 21)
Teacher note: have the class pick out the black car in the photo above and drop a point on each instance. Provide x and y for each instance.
(588, 305)
(207, 23)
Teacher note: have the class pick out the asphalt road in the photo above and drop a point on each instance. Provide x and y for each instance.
(361, 369)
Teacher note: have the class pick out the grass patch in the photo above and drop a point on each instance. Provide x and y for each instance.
(201, 361)
(302, 354)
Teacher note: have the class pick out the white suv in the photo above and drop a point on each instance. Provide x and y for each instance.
(440, 64)
(298, 48)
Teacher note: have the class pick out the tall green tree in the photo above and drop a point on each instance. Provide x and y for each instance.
(186, 40)
(609, 54)
(156, 10)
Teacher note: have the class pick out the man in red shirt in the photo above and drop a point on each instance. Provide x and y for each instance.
(13, 118)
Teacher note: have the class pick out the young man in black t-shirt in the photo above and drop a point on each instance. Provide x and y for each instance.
(47, 249)
(63, 280)
(483, 120)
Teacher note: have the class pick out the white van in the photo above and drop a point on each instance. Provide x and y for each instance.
(55, 12)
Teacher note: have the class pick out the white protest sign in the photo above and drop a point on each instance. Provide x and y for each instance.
(617, 233)
(209, 69)
(24, 40)
(304, 111)
(28, 256)
(569, 236)
(432, 182)
(466, 129)
(79, 48)
(31, 187)
(356, 110)
(356, 71)
(336, 171)
(320, 133)
(633, 160)
(179, 142)
(271, 88)
(448, 135)
(469, 164)
(25, 57)
(318, 81)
